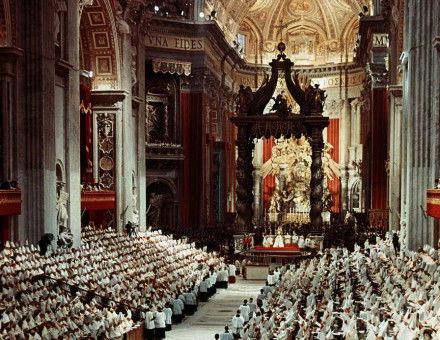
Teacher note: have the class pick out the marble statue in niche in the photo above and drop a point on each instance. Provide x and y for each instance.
(65, 237)
(157, 122)
(156, 202)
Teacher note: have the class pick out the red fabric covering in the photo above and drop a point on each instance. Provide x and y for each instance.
(379, 149)
(433, 202)
(86, 134)
(334, 185)
(290, 247)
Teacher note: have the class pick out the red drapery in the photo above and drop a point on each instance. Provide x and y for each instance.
(193, 169)
(379, 155)
(335, 184)
(86, 135)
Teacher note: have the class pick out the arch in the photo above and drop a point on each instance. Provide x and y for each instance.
(310, 27)
(350, 33)
(162, 183)
(253, 27)
(59, 171)
(99, 44)
(248, 27)
(355, 196)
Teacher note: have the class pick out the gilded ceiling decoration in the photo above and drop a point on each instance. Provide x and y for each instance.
(316, 32)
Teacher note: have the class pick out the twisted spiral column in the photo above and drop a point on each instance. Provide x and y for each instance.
(245, 197)
(316, 181)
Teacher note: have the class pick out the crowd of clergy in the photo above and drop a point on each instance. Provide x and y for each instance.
(110, 286)
(373, 293)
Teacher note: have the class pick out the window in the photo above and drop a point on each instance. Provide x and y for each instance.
(241, 43)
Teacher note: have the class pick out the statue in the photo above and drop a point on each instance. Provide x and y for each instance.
(244, 99)
(62, 214)
(84, 3)
(123, 26)
(330, 167)
(319, 99)
(133, 70)
(404, 231)
(315, 99)
(275, 202)
(154, 209)
(65, 237)
(293, 191)
(280, 106)
(154, 129)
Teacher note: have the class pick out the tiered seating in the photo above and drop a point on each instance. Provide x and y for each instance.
(99, 290)
(368, 294)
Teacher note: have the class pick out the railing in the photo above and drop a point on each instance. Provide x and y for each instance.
(378, 218)
(433, 202)
(164, 151)
(98, 200)
(10, 202)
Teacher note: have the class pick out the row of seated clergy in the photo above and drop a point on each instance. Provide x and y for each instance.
(280, 241)
(116, 278)
(374, 292)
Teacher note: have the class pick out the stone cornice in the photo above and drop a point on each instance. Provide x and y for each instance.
(367, 26)
(8, 58)
(226, 54)
(395, 90)
(109, 99)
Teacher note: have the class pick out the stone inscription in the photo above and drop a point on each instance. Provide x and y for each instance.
(174, 42)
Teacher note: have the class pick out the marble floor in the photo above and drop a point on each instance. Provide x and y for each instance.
(212, 316)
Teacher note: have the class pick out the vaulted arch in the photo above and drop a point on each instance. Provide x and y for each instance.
(323, 25)
(100, 51)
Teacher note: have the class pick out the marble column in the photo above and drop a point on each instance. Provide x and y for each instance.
(245, 199)
(141, 119)
(36, 148)
(344, 144)
(258, 180)
(421, 118)
(128, 147)
(72, 124)
(109, 105)
(395, 156)
(316, 181)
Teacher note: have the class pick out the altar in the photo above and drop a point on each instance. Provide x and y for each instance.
(281, 249)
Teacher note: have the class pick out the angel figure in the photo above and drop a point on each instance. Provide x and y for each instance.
(331, 168)
(243, 99)
(279, 156)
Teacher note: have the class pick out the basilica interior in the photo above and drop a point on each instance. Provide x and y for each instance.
(160, 151)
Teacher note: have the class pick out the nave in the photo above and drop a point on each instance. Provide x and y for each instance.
(212, 316)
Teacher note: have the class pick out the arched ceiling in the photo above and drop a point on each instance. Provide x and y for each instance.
(316, 32)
